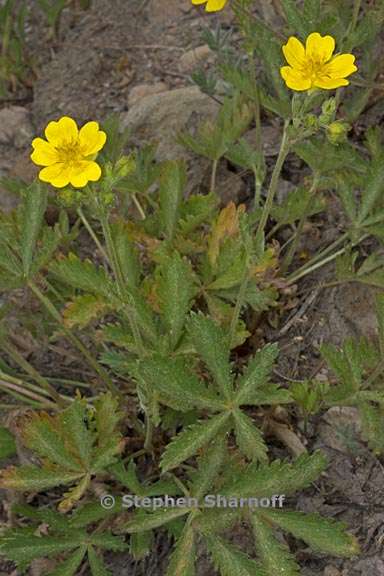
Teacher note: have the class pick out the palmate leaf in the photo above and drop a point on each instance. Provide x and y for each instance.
(71, 564)
(84, 309)
(229, 560)
(34, 479)
(294, 18)
(190, 440)
(321, 534)
(84, 275)
(209, 466)
(32, 214)
(277, 477)
(275, 557)
(176, 289)
(149, 521)
(182, 561)
(256, 374)
(177, 387)
(212, 345)
(7, 443)
(69, 446)
(96, 563)
(21, 546)
(196, 210)
(249, 438)
(39, 432)
(172, 184)
(126, 253)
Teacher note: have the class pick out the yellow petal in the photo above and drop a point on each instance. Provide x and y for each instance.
(330, 83)
(319, 48)
(340, 66)
(83, 172)
(294, 52)
(196, 2)
(44, 154)
(57, 175)
(91, 138)
(62, 132)
(215, 5)
(294, 79)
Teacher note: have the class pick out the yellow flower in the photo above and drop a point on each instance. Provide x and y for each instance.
(212, 5)
(68, 154)
(314, 66)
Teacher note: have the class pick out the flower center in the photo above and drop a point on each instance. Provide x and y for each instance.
(70, 153)
(314, 67)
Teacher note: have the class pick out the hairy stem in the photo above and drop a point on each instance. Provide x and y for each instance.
(122, 288)
(284, 150)
(299, 230)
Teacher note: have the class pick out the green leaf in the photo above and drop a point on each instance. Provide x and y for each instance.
(209, 466)
(295, 205)
(22, 547)
(277, 477)
(275, 557)
(212, 345)
(40, 432)
(70, 565)
(190, 440)
(32, 214)
(172, 184)
(107, 541)
(149, 521)
(182, 561)
(78, 437)
(83, 274)
(126, 253)
(176, 290)
(294, 18)
(7, 443)
(177, 387)
(31, 478)
(84, 309)
(229, 560)
(249, 438)
(374, 188)
(96, 563)
(321, 534)
(140, 544)
(256, 374)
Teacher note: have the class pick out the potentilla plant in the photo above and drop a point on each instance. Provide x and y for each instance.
(174, 288)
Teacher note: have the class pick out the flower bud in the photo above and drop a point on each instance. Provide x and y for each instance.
(337, 132)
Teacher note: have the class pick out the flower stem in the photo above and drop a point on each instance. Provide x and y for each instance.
(213, 176)
(292, 250)
(73, 339)
(315, 263)
(92, 233)
(33, 373)
(284, 150)
(238, 306)
(121, 285)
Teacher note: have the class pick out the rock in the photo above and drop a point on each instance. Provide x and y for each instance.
(142, 90)
(193, 58)
(331, 571)
(15, 126)
(340, 426)
(160, 117)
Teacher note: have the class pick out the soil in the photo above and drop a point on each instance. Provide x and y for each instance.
(89, 71)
